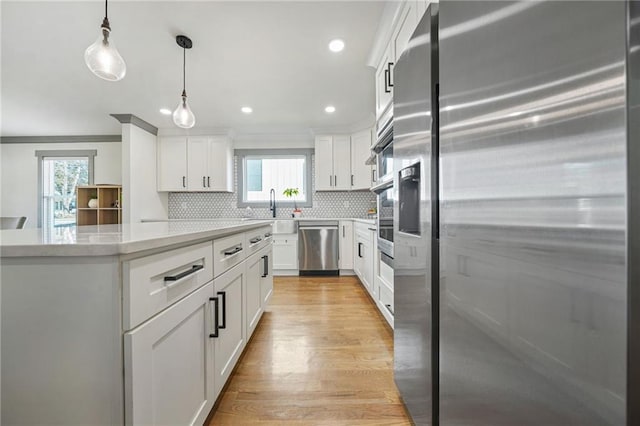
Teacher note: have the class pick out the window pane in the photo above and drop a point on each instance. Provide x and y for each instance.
(254, 175)
(278, 173)
(60, 178)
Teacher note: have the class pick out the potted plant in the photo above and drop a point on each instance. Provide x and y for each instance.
(293, 193)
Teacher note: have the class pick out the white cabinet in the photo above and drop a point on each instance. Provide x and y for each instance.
(385, 288)
(168, 365)
(346, 244)
(285, 252)
(253, 299)
(333, 163)
(229, 289)
(361, 174)
(340, 162)
(195, 163)
(405, 24)
(384, 90)
(363, 261)
(172, 164)
(266, 279)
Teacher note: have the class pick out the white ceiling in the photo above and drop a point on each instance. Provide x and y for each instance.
(272, 56)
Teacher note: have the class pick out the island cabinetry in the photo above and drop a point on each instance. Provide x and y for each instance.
(171, 318)
(168, 364)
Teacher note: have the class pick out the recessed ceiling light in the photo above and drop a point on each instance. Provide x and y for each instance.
(165, 111)
(247, 110)
(336, 45)
(330, 109)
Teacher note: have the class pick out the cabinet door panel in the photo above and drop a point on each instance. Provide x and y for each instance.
(220, 165)
(346, 244)
(231, 339)
(342, 163)
(384, 91)
(253, 306)
(266, 282)
(197, 149)
(402, 34)
(360, 152)
(172, 164)
(168, 365)
(285, 252)
(324, 163)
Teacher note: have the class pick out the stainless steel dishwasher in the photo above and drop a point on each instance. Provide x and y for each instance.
(318, 247)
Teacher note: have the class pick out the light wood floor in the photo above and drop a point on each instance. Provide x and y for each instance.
(321, 355)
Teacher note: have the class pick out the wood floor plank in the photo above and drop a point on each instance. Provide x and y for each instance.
(321, 355)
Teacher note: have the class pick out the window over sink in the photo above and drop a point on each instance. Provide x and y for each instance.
(259, 171)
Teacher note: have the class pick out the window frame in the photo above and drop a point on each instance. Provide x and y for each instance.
(90, 154)
(241, 154)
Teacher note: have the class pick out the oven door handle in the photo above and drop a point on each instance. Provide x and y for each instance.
(381, 187)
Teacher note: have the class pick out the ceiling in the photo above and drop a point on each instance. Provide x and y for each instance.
(271, 56)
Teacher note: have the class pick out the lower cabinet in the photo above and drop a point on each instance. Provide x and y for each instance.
(363, 261)
(259, 279)
(346, 244)
(167, 364)
(231, 335)
(285, 251)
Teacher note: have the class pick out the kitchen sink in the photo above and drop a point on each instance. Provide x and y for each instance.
(285, 226)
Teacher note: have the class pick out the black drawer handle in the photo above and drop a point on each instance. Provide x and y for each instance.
(386, 81)
(265, 266)
(223, 294)
(233, 251)
(193, 270)
(389, 309)
(255, 240)
(216, 326)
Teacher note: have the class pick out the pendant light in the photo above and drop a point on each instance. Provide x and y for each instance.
(102, 57)
(183, 116)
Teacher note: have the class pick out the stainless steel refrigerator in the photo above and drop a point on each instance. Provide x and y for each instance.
(515, 300)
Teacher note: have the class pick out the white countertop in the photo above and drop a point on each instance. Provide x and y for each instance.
(105, 240)
(362, 220)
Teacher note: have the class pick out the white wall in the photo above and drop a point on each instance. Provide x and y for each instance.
(141, 199)
(19, 181)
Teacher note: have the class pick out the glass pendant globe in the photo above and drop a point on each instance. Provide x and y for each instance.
(103, 58)
(183, 116)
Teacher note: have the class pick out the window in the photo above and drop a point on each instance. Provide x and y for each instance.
(259, 171)
(60, 173)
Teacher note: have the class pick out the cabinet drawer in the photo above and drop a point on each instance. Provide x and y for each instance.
(256, 239)
(155, 282)
(364, 231)
(386, 303)
(228, 252)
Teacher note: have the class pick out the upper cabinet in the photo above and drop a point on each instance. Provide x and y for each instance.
(195, 163)
(409, 14)
(340, 162)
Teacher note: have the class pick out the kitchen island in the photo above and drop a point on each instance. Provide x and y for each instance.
(135, 324)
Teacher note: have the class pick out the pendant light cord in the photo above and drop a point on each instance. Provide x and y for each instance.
(106, 9)
(184, 71)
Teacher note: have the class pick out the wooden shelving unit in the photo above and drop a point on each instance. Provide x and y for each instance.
(109, 209)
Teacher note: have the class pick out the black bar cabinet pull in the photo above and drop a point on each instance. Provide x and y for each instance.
(266, 266)
(255, 240)
(389, 65)
(351, 180)
(233, 251)
(184, 181)
(386, 81)
(359, 249)
(193, 270)
(223, 294)
(215, 321)
(209, 181)
(204, 181)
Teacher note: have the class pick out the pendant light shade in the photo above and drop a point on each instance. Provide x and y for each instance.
(183, 116)
(102, 57)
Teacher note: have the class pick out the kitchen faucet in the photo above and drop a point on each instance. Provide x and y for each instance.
(272, 201)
